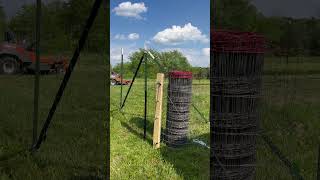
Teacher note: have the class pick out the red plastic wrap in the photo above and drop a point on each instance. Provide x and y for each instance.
(181, 74)
(237, 42)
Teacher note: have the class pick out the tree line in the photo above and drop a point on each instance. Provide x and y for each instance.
(61, 25)
(285, 35)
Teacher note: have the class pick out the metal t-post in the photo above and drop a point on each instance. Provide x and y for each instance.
(37, 74)
(145, 97)
(73, 61)
(318, 175)
(121, 78)
(134, 77)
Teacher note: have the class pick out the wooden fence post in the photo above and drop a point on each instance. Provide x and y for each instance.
(157, 119)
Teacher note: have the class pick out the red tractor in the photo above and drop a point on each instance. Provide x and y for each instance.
(116, 79)
(18, 57)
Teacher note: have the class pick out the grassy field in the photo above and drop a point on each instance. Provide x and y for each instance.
(76, 141)
(294, 65)
(134, 158)
(290, 117)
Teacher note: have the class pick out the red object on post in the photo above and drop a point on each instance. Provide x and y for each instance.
(181, 74)
(237, 42)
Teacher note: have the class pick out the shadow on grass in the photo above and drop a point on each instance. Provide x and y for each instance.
(136, 127)
(189, 161)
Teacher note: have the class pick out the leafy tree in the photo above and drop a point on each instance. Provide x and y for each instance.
(165, 62)
(61, 25)
(284, 35)
(2, 22)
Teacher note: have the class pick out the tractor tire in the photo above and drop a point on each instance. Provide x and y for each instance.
(60, 70)
(113, 82)
(9, 66)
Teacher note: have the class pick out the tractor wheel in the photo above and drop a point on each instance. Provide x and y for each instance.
(113, 82)
(9, 65)
(60, 70)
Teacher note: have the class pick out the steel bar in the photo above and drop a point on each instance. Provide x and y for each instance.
(81, 43)
(145, 97)
(318, 171)
(121, 74)
(37, 74)
(134, 77)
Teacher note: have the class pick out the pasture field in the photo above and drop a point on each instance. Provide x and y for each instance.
(76, 141)
(134, 158)
(289, 116)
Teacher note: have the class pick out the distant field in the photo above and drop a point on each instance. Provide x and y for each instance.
(290, 116)
(294, 66)
(76, 142)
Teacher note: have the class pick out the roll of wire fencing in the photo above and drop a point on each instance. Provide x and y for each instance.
(178, 108)
(235, 90)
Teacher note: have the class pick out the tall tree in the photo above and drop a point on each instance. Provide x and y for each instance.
(3, 22)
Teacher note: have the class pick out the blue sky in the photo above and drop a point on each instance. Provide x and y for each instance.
(164, 25)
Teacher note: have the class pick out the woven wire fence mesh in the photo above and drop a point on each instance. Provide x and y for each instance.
(236, 71)
(290, 100)
(178, 108)
(127, 129)
(196, 120)
(287, 105)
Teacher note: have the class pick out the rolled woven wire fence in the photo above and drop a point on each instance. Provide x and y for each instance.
(178, 105)
(236, 71)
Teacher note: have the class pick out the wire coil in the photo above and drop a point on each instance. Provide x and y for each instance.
(179, 99)
(236, 73)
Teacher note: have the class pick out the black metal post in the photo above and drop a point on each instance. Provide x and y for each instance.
(73, 61)
(37, 74)
(213, 14)
(121, 78)
(318, 175)
(134, 77)
(145, 97)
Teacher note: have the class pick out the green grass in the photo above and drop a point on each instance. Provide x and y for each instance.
(294, 66)
(290, 117)
(76, 141)
(134, 158)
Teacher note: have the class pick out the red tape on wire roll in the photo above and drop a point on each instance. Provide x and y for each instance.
(181, 74)
(237, 42)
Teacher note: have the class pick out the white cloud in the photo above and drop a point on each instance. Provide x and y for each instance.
(115, 52)
(120, 36)
(133, 36)
(128, 9)
(206, 51)
(177, 35)
(195, 57)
